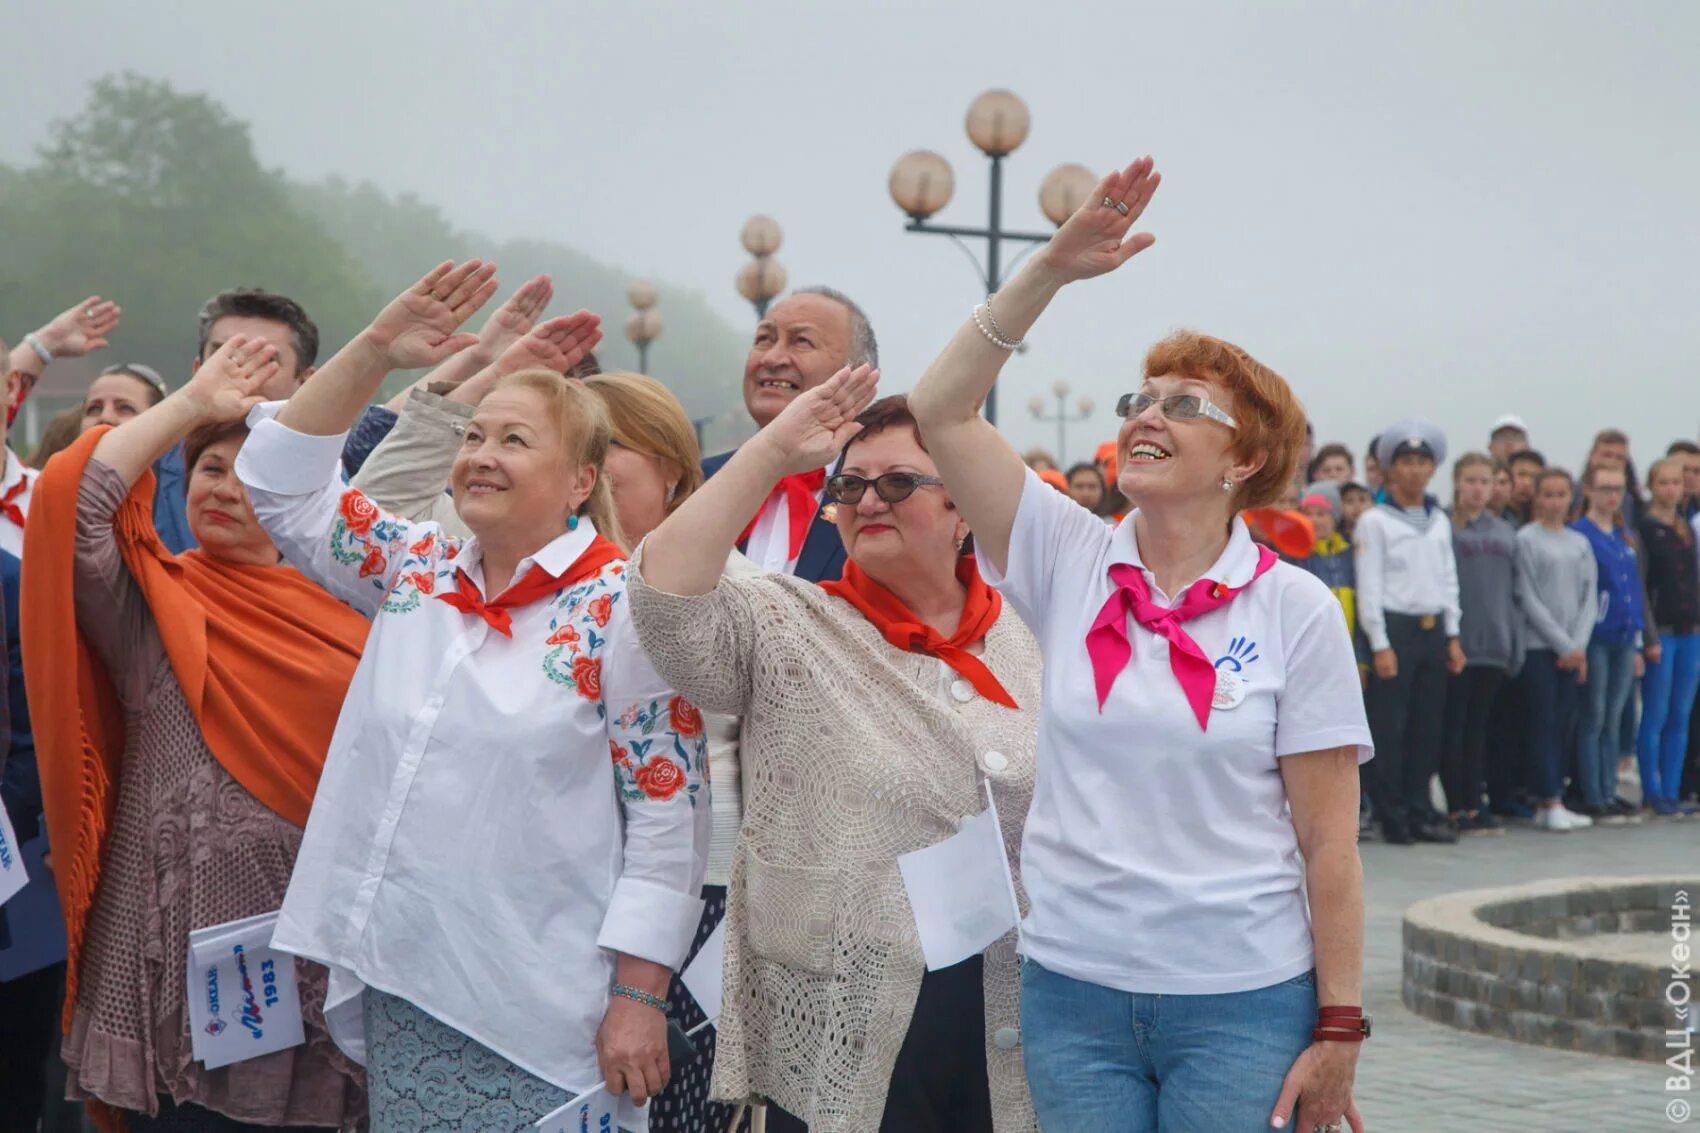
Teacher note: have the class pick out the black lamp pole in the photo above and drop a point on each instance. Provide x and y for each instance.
(994, 234)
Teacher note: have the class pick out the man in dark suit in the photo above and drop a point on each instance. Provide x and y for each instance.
(806, 338)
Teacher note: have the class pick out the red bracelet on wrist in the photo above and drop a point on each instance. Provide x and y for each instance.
(1341, 1025)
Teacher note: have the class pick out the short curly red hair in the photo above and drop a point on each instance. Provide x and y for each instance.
(1271, 422)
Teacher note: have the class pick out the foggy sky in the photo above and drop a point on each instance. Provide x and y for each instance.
(1451, 210)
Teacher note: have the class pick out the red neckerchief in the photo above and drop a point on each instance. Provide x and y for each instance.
(537, 584)
(899, 626)
(1108, 646)
(8, 507)
(801, 491)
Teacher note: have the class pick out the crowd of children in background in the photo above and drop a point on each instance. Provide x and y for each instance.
(1533, 642)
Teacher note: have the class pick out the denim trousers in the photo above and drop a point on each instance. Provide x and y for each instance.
(1552, 694)
(1667, 700)
(1599, 737)
(1101, 1060)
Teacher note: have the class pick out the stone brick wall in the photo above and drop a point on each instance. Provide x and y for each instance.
(1555, 964)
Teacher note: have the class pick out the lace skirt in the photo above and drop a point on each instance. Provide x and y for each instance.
(423, 1076)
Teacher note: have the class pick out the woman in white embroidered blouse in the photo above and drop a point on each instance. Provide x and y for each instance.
(1194, 948)
(873, 709)
(504, 893)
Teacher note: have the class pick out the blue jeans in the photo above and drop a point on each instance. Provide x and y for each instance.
(1667, 701)
(1600, 739)
(1102, 1060)
(1552, 694)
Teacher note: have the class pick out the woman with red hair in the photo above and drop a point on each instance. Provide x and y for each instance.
(1174, 800)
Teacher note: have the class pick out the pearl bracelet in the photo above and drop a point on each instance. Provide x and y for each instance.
(637, 996)
(996, 339)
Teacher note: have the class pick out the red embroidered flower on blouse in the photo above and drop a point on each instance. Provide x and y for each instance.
(587, 675)
(375, 563)
(358, 512)
(684, 717)
(618, 752)
(566, 635)
(425, 580)
(660, 778)
(602, 609)
(423, 547)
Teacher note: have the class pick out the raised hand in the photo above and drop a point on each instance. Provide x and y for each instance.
(1095, 239)
(82, 329)
(228, 384)
(418, 327)
(558, 345)
(515, 318)
(819, 422)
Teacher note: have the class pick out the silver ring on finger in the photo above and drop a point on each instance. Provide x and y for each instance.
(1108, 203)
(1121, 207)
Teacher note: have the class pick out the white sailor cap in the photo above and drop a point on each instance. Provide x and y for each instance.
(1410, 436)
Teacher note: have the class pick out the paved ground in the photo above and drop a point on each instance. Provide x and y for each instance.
(1417, 1076)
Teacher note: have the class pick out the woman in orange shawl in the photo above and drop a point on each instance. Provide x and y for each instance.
(183, 706)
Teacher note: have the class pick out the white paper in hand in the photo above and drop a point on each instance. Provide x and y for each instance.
(701, 976)
(961, 891)
(13, 876)
(243, 1001)
(596, 1111)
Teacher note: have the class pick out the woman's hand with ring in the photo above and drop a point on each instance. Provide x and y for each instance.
(1319, 1085)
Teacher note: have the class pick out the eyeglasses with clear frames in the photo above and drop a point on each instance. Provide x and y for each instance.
(1175, 407)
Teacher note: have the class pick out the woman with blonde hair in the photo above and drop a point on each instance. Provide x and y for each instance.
(473, 832)
(652, 467)
(1485, 546)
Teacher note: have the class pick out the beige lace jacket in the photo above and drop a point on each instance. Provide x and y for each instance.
(853, 752)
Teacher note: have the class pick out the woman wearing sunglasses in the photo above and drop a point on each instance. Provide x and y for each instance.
(1191, 749)
(874, 709)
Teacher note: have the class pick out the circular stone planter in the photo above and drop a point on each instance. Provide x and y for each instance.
(1580, 964)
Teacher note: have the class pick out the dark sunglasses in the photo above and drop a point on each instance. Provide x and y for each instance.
(1175, 407)
(893, 487)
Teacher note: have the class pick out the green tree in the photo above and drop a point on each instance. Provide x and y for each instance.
(155, 198)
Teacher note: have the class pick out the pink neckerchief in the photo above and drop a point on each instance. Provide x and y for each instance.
(1108, 646)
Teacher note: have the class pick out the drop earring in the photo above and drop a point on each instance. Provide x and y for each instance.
(572, 523)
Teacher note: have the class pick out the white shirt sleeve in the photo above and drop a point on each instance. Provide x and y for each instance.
(331, 533)
(1370, 553)
(1321, 705)
(659, 749)
(1452, 606)
(1049, 529)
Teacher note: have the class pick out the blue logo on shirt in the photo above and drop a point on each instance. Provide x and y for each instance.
(1242, 651)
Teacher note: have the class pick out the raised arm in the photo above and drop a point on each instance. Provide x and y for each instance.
(72, 333)
(418, 328)
(558, 344)
(223, 388)
(686, 554)
(981, 469)
(510, 322)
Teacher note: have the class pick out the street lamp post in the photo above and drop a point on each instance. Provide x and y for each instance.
(763, 277)
(922, 184)
(1083, 410)
(644, 325)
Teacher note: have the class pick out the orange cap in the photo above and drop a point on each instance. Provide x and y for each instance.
(1289, 532)
(1055, 479)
